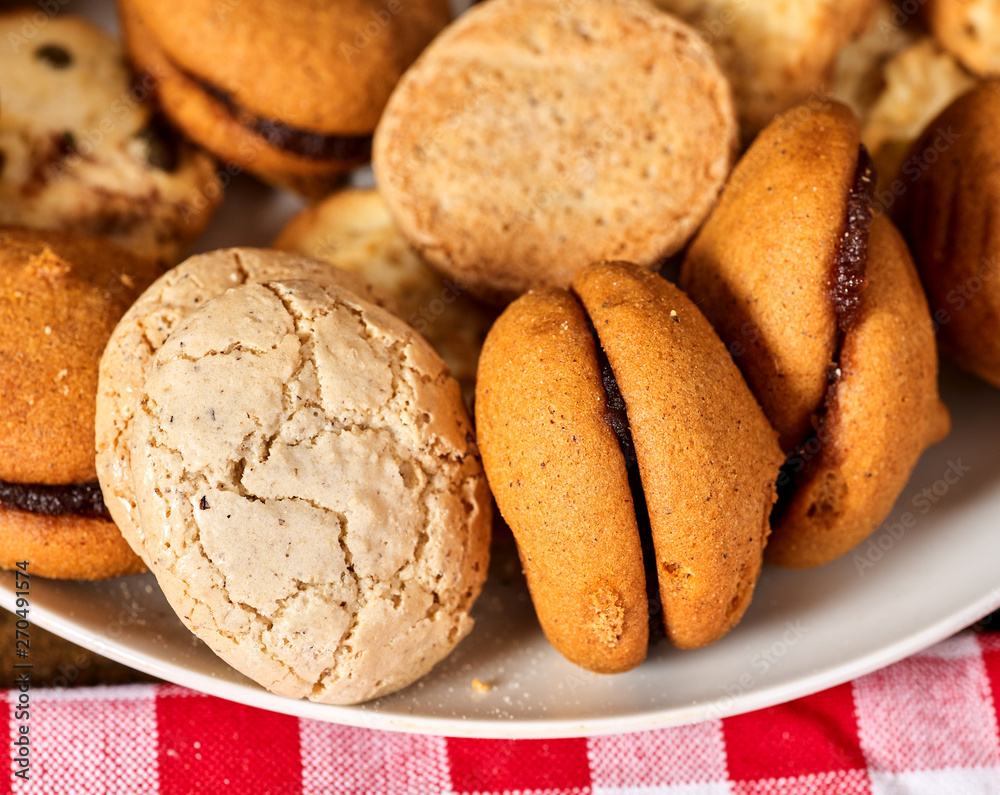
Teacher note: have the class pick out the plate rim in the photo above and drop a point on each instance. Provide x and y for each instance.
(254, 695)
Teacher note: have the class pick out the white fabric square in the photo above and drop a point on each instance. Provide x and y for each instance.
(714, 788)
(927, 712)
(954, 648)
(665, 758)
(840, 782)
(980, 781)
(343, 759)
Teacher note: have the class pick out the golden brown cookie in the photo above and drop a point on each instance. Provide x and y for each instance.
(534, 137)
(880, 417)
(791, 272)
(705, 462)
(83, 149)
(293, 91)
(970, 30)
(775, 53)
(145, 328)
(60, 296)
(775, 233)
(353, 230)
(949, 217)
(560, 481)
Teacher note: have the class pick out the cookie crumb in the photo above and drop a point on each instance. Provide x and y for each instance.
(480, 686)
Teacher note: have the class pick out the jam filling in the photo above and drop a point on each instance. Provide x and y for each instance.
(852, 253)
(848, 284)
(75, 499)
(305, 143)
(617, 420)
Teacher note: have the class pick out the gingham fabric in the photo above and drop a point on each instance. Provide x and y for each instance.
(925, 726)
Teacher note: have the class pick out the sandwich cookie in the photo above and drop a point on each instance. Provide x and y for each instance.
(822, 311)
(60, 296)
(292, 91)
(949, 218)
(631, 461)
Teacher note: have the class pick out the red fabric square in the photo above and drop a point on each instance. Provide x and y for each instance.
(816, 734)
(7, 722)
(211, 745)
(523, 765)
(990, 645)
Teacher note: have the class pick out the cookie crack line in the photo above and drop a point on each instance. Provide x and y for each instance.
(204, 485)
(240, 347)
(241, 269)
(199, 549)
(397, 365)
(411, 442)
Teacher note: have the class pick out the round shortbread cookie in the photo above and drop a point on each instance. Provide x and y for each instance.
(144, 329)
(534, 137)
(353, 230)
(311, 501)
(82, 150)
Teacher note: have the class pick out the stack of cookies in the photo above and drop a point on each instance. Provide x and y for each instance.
(283, 436)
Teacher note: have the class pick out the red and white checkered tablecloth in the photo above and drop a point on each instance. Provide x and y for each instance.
(925, 725)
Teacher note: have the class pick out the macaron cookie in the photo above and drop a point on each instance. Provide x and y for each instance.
(311, 500)
(632, 463)
(796, 278)
(60, 297)
(144, 329)
(948, 217)
(534, 137)
(291, 91)
(353, 230)
(82, 147)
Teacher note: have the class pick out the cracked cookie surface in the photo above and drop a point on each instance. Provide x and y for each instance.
(311, 502)
(144, 329)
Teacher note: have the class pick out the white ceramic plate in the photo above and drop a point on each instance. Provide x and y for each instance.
(907, 588)
(911, 586)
